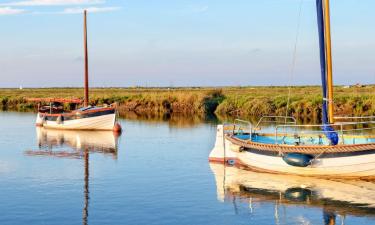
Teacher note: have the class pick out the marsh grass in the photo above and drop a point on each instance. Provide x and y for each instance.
(304, 101)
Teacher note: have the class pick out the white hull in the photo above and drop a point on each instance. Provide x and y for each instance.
(356, 165)
(103, 122)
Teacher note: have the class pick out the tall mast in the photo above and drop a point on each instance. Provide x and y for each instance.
(328, 50)
(86, 101)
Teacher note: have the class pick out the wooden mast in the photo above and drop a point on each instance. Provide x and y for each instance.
(86, 100)
(328, 49)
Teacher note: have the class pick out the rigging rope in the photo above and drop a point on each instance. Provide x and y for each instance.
(294, 59)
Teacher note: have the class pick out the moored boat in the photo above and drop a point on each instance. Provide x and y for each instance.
(307, 155)
(86, 118)
(339, 147)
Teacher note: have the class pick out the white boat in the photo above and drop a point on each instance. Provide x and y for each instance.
(343, 197)
(85, 118)
(332, 149)
(88, 118)
(261, 153)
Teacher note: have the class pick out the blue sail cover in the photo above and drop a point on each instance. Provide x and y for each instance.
(331, 134)
(319, 8)
(328, 130)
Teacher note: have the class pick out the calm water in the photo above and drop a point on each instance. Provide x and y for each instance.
(155, 173)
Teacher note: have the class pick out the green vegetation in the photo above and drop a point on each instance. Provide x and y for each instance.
(304, 101)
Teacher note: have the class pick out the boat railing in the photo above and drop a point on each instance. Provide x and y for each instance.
(342, 128)
(274, 119)
(238, 127)
(243, 126)
(345, 118)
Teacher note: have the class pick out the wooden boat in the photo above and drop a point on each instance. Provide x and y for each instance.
(85, 118)
(333, 196)
(335, 148)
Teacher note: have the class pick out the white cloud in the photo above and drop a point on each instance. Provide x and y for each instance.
(53, 2)
(10, 11)
(89, 9)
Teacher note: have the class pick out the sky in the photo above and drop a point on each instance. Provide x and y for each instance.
(182, 42)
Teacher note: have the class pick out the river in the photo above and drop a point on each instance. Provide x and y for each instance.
(156, 172)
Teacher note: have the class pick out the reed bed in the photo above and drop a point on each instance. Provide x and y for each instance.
(304, 102)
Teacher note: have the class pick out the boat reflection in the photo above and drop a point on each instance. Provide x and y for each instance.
(53, 143)
(336, 198)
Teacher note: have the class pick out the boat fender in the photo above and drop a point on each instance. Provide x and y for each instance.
(117, 128)
(298, 159)
(298, 194)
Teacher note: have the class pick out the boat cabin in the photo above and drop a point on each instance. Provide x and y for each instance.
(55, 105)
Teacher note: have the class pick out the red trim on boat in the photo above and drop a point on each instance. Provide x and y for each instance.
(60, 100)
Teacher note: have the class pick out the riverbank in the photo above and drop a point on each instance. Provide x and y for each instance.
(304, 101)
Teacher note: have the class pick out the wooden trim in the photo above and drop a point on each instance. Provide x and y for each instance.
(305, 149)
(60, 100)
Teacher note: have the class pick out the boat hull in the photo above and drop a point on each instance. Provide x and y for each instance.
(100, 122)
(357, 164)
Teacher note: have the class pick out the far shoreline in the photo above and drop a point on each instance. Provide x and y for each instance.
(245, 101)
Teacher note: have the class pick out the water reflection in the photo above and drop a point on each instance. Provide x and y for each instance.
(53, 143)
(179, 120)
(336, 198)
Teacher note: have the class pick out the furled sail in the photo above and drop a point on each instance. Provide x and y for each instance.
(328, 130)
(319, 8)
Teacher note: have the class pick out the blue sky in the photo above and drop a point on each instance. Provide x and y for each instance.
(181, 42)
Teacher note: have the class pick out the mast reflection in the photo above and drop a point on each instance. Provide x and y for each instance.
(76, 145)
(86, 189)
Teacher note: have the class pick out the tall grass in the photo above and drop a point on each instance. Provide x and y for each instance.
(303, 103)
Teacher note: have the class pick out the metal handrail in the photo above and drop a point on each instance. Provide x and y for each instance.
(354, 117)
(276, 117)
(294, 125)
(341, 124)
(246, 122)
(320, 125)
